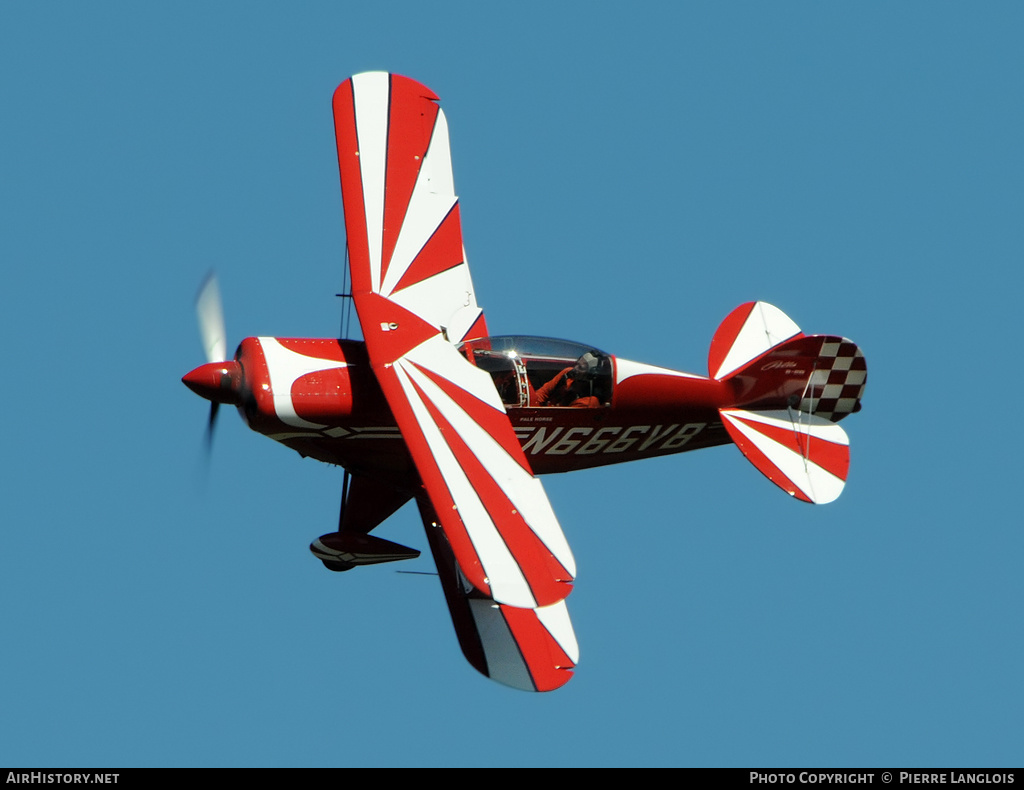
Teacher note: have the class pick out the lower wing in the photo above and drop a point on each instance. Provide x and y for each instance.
(527, 649)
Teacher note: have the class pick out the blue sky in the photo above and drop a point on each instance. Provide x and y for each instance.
(627, 177)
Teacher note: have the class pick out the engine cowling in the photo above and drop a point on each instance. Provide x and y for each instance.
(306, 383)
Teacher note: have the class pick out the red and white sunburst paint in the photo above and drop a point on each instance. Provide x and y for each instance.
(414, 297)
(430, 407)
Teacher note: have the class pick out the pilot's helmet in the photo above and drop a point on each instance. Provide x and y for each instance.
(587, 367)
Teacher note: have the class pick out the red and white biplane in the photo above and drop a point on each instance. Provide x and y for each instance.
(431, 407)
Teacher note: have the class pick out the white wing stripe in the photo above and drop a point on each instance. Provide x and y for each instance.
(371, 91)
(436, 172)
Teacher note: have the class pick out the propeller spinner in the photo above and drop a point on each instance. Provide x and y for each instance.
(220, 379)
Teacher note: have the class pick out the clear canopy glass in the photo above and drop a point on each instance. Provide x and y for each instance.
(542, 371)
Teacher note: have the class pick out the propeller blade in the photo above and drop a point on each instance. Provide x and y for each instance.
(211, 423)
(210, 313)
(212, 334)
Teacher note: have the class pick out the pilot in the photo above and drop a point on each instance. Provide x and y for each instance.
(572, 386)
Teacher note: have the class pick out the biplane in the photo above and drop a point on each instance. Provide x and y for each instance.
(429, 406)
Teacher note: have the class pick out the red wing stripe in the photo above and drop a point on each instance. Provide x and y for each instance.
(442, 251)
(352, 186)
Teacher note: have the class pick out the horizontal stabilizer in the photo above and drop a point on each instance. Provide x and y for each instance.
(805, 455)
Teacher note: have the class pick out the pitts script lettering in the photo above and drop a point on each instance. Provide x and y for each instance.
(609, 439)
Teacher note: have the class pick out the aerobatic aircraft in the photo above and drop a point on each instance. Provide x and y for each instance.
(430, 406)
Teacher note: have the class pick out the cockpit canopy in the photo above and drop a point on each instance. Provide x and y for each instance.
(542, 371)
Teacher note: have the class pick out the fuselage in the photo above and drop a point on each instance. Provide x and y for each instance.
(320, 397)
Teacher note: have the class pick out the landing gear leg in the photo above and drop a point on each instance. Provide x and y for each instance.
(336, 565)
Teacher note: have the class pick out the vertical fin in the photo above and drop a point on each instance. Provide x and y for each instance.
(745, 334)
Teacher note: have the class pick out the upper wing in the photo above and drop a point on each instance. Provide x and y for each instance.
(401, 211)
(415, 299)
